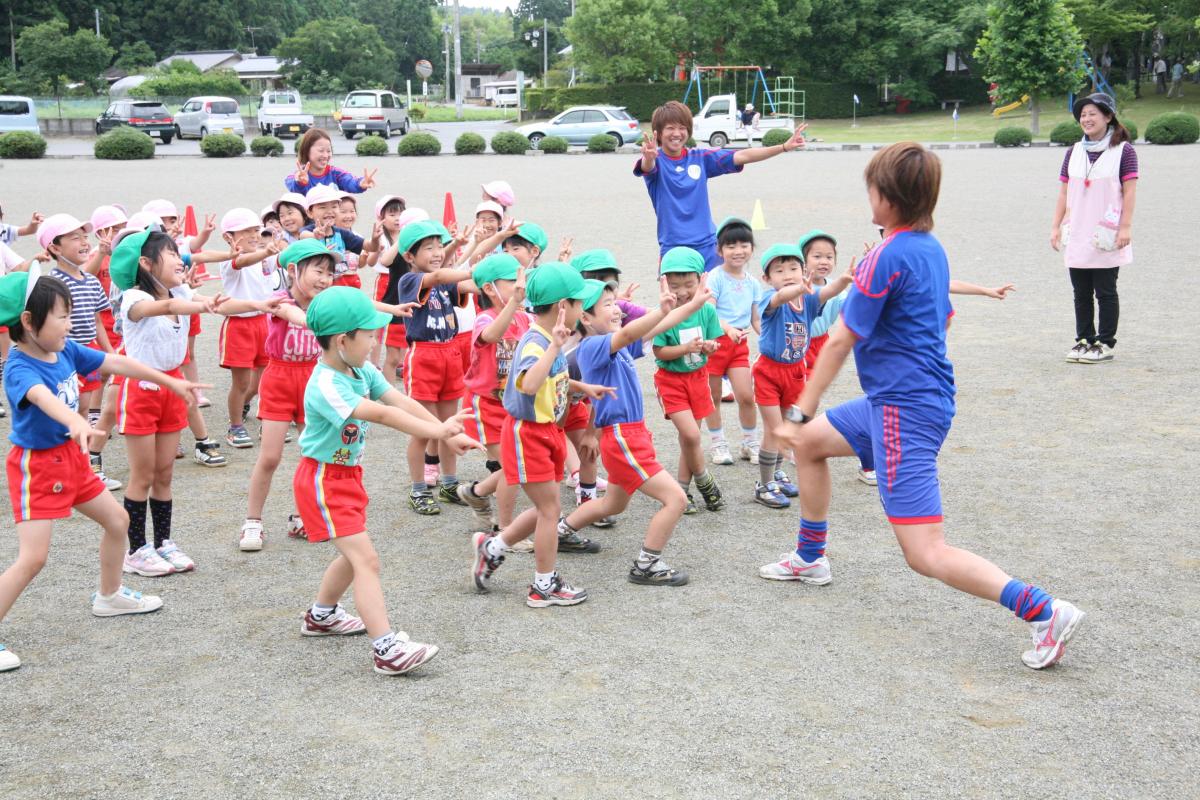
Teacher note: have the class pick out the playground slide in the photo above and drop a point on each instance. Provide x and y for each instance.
(997, 111)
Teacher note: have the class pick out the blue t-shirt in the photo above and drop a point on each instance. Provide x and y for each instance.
(678, 189)
(734, 297)
(600, 366)
(433, 320)
(31, 427)
(829, 315)
(898, 308)
(332, 435)
(785, 328)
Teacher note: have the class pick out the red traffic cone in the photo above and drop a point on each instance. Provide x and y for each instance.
(448, 218)
(190, 228)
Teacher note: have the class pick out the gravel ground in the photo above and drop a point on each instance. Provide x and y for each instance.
(881, 684)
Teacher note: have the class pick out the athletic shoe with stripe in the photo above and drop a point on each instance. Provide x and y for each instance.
(658, 573)
(178, 559)
(1050, 637)
(481, 507)
(339, 623)
(252, 536)
(124, 601)
(790, 567)
(559, 594)
(403, 656)
(146, 561)
(483, 566)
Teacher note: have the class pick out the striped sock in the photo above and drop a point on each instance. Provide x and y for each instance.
(810, 541)
(1030, 603)
(766, 466)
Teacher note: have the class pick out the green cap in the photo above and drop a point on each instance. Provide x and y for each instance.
(595, 261)
(595, 289)
(301, 249)
(812, 236)
(533, 233)
(552, 282)
(15, 288)
(496, 267)
(725, 223)
(681, 259)
(781, 251)
(341, 309)
(123, 265)
(414, 232)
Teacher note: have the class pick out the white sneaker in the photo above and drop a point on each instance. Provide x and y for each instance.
(1050, 637)
(1096, 354)
(340, 623)
(749, 452)
(721, 455)
(867, 476)
(1077, 352)
(791, 567)
(125, 601)
(178, 559)
(252, 536)
(8, 659)
(146, 561)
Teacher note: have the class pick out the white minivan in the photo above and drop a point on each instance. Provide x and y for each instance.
(17, 114)
(201, 116)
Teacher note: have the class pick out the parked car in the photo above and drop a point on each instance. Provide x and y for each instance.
(201, 116)
(580, 123)
(148, 116)
(17, 114)
(279, 112)
(373, 111)
(505, 97)
(720, 122)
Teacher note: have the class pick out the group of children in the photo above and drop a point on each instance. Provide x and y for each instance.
(493, 349)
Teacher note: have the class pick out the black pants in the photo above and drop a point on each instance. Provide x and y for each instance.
(1101, 284)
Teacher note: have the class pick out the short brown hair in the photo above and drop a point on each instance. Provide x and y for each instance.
(909, 177)
(671, 112)
(311, 137)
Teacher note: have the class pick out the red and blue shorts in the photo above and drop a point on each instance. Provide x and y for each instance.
(777, 384)
(579, 416)
(487, 427)
(47, 484)
(281, 390)
(901, 444)
(728, 356)
(93, 381)
(532, 452)
(433, 371)
(145, 408)
(330, 498)
(627, 452)
(243, 342)
(683, 391)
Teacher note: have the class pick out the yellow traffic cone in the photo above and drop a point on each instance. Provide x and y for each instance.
(757, 221)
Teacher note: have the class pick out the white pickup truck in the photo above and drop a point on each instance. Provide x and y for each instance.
(720, 122)
(279, 112)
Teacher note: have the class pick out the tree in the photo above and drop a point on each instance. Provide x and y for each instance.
(134, 56)
(182, 78)
(408, 32)
(342, 48)
(623, 40)
(1031, 47)
(51, 54)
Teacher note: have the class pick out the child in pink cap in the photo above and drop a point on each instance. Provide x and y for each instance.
(500, 192)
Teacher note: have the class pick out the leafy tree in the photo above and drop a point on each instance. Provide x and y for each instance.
(619, 40)
(1031, 47)
(184, 79)
(134, 56)
(407, 30)
(48, 52)
(344, 48)
(554, 11)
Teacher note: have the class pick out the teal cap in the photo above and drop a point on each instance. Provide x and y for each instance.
(812, 236)
(595, 261)
(123, 264)
(414, 232)
(341, 309)
(15, 288)
(301, 249)
(781, 251)
(681, 259)
(496, 267)
(552, 282)
(595, 290)
(725, 223)
(533, 233)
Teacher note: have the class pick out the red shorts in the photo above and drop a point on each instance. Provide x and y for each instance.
(194, 325)
(396, 336)
(532, 452)
(348, 279)
(683, 391)
(464, 347)
(381, 285)
(627, 452)
(109, 322)
(93, 381)
(488, 425)
(281, 390)
(728, 356)
(579, 416)
(814, 349)
(47, 484)
(330, 498)
(777, 384)
(433, 371)
(243, 342)
(145, 408)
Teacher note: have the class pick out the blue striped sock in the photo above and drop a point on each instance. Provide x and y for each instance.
(1030, 603)
(810, 541)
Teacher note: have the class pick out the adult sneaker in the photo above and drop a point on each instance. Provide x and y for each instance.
(559, 594)
(721, 455)
(239, 437)
(569, 540)
(770, 496)
(97, 462)
(785, 484)
(448, 493)
(749, 452)
(483, 566)
(124, 601)
(481, 507)
(146, 561)
(8, 659)
(251, 540)
(867, 476)
(657, 574)
(790, 567)
(178, 559)
(1096, 354)
(339, 623)
(207, 453)
(1077, 352)
(1050, 637)
(403, 656)
(711, 494)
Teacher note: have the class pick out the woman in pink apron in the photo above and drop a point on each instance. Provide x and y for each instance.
(1093, 220)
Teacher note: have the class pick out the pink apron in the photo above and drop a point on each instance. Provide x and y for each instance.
(1094, 204)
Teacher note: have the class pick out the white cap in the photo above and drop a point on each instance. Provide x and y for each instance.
(239, 219)
(161, 208)
(492, 206)
(322, 193)
(294, 198)
(383, 201)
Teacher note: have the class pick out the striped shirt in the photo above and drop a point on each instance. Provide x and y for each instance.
(87, 300)
(1129, 162)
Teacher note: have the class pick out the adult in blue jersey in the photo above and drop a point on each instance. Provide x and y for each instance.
(678, 181)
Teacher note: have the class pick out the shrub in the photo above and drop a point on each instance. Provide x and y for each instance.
(470, 144)
(417, 113)
(124, 144)
(1013, 137)
(691, 142)
(602, 143)
(1066, 133)
(371, 146)
(510, 143)
(553, 144)
(223, 145)
(1133, 130)
(419, 144)
(22, 144)
(775, 136)
(1175, 127)
(266, 146)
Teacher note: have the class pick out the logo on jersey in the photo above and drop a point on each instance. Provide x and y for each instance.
(694, 172)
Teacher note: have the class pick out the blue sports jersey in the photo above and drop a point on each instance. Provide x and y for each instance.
(600, 366)
(433, 320)
(785, 328)
(31, 427)
(898, 308)
(678, 189)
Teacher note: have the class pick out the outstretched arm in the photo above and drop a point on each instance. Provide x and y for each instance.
(750, 155)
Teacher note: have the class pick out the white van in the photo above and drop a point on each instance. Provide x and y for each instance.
(17, 114)
(505, 97)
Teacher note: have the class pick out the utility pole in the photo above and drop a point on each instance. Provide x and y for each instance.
(250, 30)
(446, 50)
(545, 49)
(458, 102)
(97, 10)
(12, 39)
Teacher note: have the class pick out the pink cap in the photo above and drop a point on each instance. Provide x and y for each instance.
(413, 215)
(239, 219)
(492, 206)
(383, 201)
(108, 216)
(501, 192)
(262, 215)
(321, 193)
(136, 224)
(161, 208)
(290, 197)
(56, 225)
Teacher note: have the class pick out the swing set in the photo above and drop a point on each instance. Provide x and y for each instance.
(752, 80)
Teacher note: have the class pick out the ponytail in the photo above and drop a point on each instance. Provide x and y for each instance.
(1120, 134)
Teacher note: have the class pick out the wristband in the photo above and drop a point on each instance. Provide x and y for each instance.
(794, 414)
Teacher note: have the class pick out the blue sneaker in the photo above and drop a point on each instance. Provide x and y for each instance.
(770, 496)
(785, 484)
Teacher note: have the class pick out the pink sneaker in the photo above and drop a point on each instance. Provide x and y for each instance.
(339, 623)
(403, 656)
(791, 567)
(1050, 637)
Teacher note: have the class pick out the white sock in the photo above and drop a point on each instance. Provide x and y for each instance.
(717, 435)
(495, 547)
(542, 581)
(750, 435)
(382, 644)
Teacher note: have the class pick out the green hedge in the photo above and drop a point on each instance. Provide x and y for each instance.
(602, 143)
(775, 136)
(266, 146)
(371, 146)
(223, 145)
(470, 144)
(971, 90)
(553, 144)
(1174, 127)
(1067, 133)
(1013, 137)
(419, 144)
(510, 143)
(1133, 130)
(22, 144)
(124, 144)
